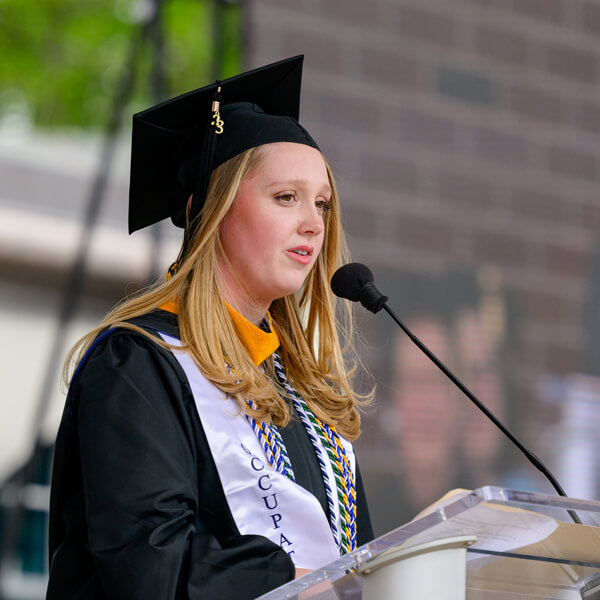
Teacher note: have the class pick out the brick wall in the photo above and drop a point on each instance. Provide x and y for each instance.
(461, 133)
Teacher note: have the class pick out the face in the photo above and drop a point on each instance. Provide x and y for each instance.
(274, 231)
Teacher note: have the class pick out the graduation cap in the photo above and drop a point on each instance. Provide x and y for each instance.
(177, 144)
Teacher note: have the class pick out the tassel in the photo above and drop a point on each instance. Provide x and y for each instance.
(204, 170)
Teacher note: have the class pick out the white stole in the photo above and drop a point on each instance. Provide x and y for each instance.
(262, 501)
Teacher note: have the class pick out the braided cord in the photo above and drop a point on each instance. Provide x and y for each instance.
(270, 440)
(348, 486)
(344, 478)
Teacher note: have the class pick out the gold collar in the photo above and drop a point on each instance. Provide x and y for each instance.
(260, 344)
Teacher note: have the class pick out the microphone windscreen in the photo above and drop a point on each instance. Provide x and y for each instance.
(349, 280)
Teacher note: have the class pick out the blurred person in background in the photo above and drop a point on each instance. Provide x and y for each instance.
(205, 448)
(442, 441)
(425, 405)
(479, 330)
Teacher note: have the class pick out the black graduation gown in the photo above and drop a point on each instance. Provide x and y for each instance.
(137, 510)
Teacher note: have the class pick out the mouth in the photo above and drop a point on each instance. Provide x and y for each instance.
(302, 254)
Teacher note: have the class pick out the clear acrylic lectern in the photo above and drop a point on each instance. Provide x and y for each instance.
(491, 543)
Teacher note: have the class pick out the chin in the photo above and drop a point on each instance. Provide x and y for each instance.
(286, 290)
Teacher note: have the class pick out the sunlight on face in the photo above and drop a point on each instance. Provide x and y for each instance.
(274, 232)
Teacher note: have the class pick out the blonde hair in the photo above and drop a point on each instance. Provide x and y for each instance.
(312, 353)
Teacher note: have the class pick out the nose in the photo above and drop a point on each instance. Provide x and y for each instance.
(311, 221)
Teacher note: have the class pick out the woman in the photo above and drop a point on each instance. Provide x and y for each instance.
(203, 451)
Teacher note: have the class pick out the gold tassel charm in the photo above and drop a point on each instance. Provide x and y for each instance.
(217, 121)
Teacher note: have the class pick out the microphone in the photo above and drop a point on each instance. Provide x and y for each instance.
(355, 282)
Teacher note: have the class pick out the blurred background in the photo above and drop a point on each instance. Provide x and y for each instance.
(465, 141)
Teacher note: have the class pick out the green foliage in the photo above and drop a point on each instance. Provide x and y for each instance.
(61, 60)
(231, 49)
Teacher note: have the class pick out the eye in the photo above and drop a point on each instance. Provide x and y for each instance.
(323, 206)
(286, 198)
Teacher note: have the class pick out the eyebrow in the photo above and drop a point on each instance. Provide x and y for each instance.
(299, 183)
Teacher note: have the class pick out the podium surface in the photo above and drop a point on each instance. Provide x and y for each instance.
(526, 545)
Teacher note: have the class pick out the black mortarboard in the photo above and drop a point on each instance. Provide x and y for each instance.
(176, 144)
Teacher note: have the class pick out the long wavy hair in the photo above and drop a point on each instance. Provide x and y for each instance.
(313, 330)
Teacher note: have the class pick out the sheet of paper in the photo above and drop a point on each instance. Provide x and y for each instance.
(498, 528)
